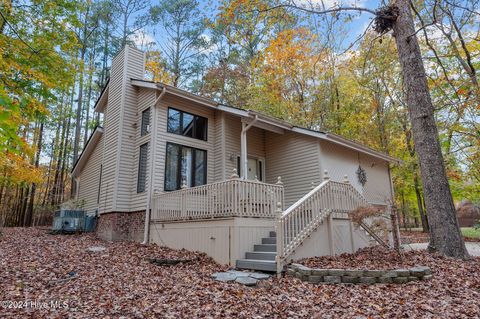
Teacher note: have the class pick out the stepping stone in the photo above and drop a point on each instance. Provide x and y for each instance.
(96, 249)
(259, 276)
(226, 277)
(247, 281)
(239, 273)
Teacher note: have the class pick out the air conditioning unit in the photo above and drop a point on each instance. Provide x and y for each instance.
(147, 128)
(69, 221)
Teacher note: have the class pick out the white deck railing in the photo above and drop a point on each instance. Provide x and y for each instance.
(296, 223)
(235, 197)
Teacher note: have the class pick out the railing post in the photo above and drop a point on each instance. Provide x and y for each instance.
(280, 183)
(183, 204)
(279, 180)
(234, 174)
(325, 175)
(280, 239)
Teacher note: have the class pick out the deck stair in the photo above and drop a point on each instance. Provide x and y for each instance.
(296, 224)
(263, 255)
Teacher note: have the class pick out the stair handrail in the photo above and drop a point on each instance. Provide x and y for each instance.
(299, 220)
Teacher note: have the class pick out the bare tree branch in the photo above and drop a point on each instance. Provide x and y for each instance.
(17, 34)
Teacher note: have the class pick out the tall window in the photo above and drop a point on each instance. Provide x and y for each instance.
(145, 128)
(142, 168)
(187, 124)
(184, 164)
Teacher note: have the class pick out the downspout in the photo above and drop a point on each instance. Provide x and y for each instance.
(146, 231)
(77, 192)
(243, 146)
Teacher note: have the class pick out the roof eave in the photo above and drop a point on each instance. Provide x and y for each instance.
(175, 91)
(102, 100)
(87, 151)
(361, 148)
(266, 119)
(347, 143)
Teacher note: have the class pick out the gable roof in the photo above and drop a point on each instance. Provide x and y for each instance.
(87, 150)
(265, 119)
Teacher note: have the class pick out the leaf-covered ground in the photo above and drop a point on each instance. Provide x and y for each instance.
(121, 283)
(417, 236)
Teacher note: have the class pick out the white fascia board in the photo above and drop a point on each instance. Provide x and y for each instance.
(102, 101)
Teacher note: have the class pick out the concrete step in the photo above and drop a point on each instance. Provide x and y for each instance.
(273, 234)
(265, 247)
(263, 265)
(262, 255)
(269, 240)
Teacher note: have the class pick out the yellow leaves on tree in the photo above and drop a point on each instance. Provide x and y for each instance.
(19, 169)
(290, 71)
(155, 67)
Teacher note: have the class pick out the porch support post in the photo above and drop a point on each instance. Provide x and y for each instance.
(243, 152)
(243, 147)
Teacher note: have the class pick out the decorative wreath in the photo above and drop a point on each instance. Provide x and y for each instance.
(361, 175)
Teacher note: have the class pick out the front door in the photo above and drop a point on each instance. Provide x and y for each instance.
(255, 168)
(252, 169)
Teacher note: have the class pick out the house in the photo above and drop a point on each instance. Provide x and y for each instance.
(183, 171)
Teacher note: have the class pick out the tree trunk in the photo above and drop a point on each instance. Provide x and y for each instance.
(29, 213)
(89, 96)
(445, 232)
(418, 194)
(78, 117)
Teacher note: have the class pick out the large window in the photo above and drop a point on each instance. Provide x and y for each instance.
(142, 168)
(187, 124)
(184, 164)
(145, 128)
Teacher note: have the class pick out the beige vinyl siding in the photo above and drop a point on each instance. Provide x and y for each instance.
(340, 161)
(90, 178)
(163, 136)
(120, 115)
(295, 158)
(225, 239)
(111, 128)
(219, 148)
(255, 142)
(127, 143)
(146, 98)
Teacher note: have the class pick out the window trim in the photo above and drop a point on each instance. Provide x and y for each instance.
(179, 167)
(138, 169)
(194, 123)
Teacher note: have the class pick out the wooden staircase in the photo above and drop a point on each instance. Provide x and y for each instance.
(294, 225)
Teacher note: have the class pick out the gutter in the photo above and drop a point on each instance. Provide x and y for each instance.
(146, 231)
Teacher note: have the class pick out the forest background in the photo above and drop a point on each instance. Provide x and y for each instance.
(324, 72)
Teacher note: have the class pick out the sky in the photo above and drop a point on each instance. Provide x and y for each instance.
(353, 30)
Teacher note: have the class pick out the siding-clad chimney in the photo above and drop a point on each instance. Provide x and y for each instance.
(120, 115)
